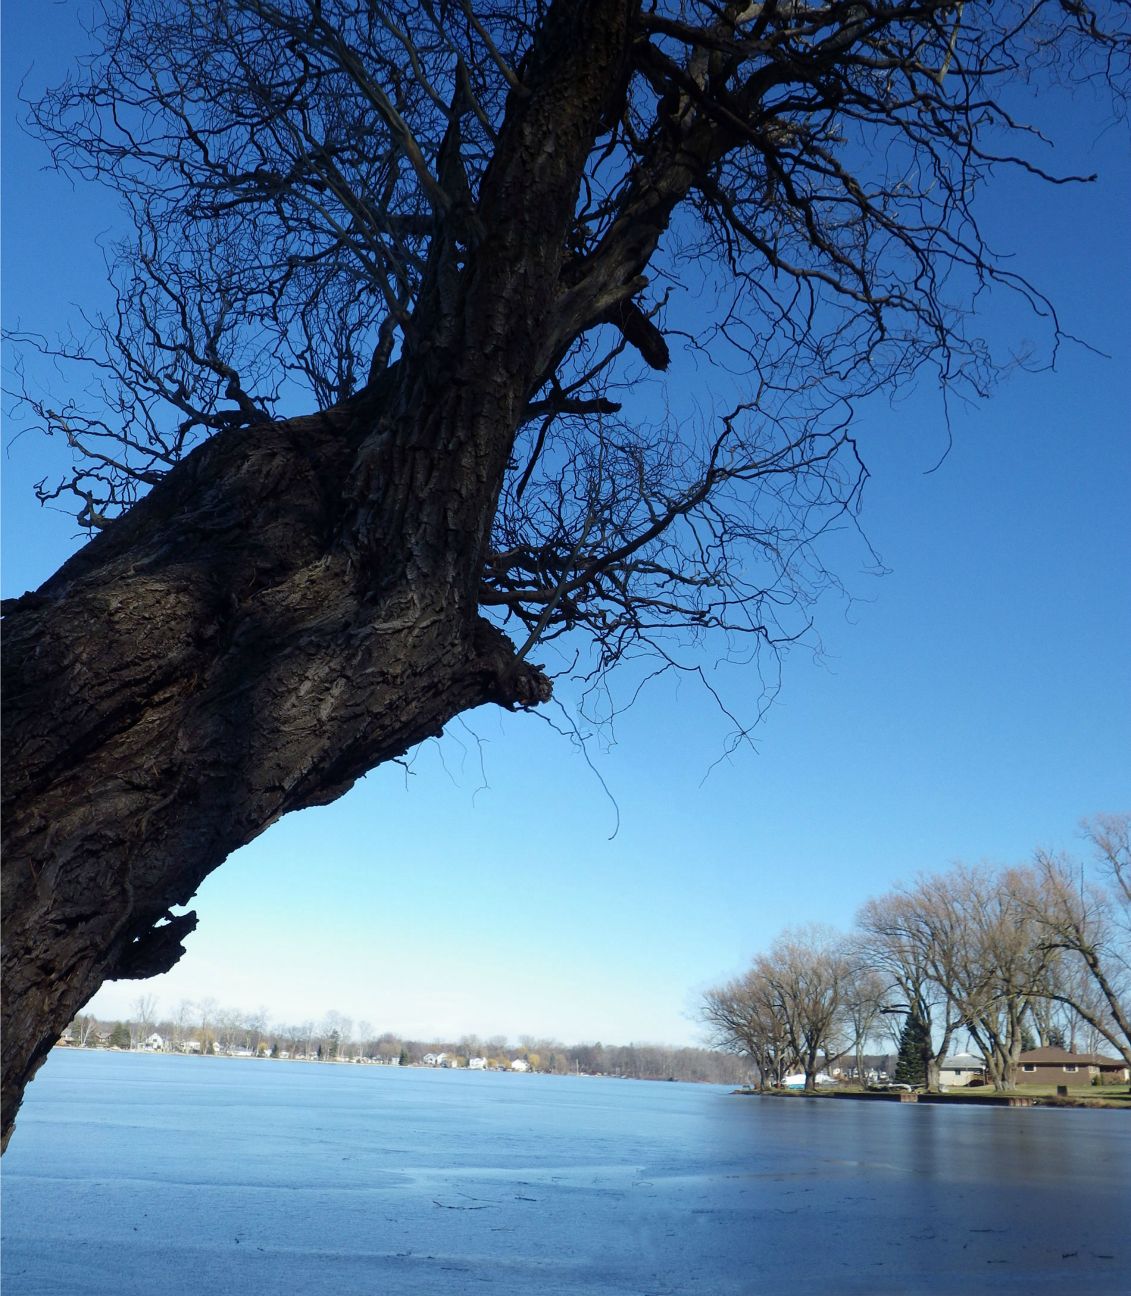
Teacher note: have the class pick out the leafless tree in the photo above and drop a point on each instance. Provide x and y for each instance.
(144, 1017)
(741, 1018)
(791, 1008)
(209, 1014)
(388, 1045)
(1056, 1021)
(231, 1029)
(982, 947)
(307, 1037)
(1081, 921)
(810, 974)
(867, 994)
(1110, 835)
(893, 939)
(184, 1019)
(291, 1040)
(460, 233)
(256, 1027)
(365, 1046)
(83, 1029)
(336, 1033)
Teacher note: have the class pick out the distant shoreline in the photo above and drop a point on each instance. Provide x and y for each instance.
(381, 1066)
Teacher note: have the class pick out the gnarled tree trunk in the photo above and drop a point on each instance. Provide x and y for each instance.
(215, 660)
(293, 604)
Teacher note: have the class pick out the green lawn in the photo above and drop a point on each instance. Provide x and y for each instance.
(1085, 1095)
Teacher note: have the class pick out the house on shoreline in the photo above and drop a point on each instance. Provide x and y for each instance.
(1057, 1066)
(961, 1070)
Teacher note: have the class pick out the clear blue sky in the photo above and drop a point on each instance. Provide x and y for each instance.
(972, 704)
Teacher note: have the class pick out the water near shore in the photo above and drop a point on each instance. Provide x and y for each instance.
(146, 1174)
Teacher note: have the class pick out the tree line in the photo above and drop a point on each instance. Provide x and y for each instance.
(205, 1027)
(1000, 958)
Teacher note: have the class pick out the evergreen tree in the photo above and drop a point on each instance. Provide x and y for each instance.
(914, 1049)
(120, 1036)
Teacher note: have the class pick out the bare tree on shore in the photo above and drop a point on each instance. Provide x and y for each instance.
(1083, 922)
(892, 938)
(986, 952)
(792, 1007)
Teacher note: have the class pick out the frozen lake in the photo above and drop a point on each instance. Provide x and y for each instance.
(152, 1174)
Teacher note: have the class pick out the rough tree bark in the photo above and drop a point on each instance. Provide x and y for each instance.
(292, 605)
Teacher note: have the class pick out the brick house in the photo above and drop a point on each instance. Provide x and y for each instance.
(1057, 1066)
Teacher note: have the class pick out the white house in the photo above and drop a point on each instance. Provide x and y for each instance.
(155, 1042)
(477, 1064)
(520, 1064)
(962, 1069)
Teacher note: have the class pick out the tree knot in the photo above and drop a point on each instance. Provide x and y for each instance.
(512, 681)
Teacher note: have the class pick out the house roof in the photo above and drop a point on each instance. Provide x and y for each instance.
(963, 1062)
(1061, 1057)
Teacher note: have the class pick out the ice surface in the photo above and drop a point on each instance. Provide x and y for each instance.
(152, 1174)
